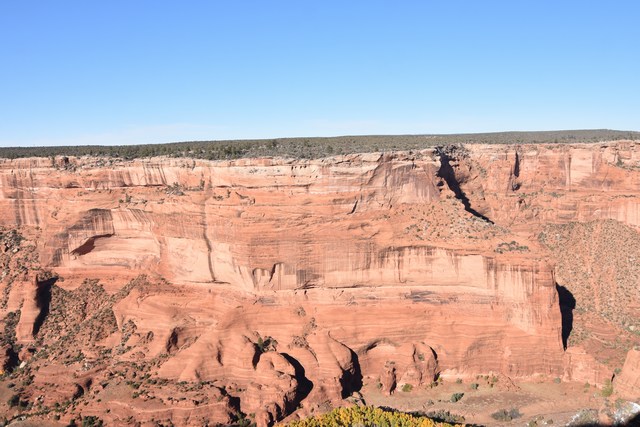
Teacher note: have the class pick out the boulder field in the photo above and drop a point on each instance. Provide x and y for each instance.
(189, 291)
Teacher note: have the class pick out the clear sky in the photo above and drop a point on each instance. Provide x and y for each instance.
(123, 72)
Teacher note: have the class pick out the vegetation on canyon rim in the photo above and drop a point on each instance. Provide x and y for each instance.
(316, 147)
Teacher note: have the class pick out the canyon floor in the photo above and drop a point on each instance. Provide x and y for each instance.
(176, 291)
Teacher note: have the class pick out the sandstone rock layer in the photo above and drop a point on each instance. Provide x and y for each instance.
(281, 284)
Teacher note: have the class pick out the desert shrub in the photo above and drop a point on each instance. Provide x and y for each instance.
(456, 396)
(475, 386)
(13, 401)
(407, 388)
(511, 247)
(266, 344)
(91, 421)
(506, 414)
(307, 147)
(607, 389)
(442, 416)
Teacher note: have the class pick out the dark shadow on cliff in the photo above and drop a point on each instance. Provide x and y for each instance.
(634, 422)
(89, 245)
(516, 166)
(567, 305)
(351, 382)
(11, 360)
(447, 173)
(304, 384)
(43, 301)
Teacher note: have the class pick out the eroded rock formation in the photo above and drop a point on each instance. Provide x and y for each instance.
(265, 286)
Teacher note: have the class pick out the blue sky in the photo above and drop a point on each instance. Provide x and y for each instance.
(123, 72)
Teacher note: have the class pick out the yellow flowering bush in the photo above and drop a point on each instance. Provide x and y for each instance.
(366, 416)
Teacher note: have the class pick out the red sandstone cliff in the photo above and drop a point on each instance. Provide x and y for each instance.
(273, 284)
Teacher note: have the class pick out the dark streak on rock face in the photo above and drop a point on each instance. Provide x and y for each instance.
(447, 173)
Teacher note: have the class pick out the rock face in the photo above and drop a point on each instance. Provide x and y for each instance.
(278, 283)
(627, 383)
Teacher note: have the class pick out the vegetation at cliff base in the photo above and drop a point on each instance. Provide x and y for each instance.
(307, 148)
(366, 416)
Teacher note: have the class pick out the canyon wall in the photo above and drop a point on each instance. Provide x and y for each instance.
(284, 281)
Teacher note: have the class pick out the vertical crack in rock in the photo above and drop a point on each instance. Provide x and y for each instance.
(353, 210)
(207, 241)
(447, 173)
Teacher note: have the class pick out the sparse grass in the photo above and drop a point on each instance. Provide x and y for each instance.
(607, 389)
(605, 282)
(407, 388)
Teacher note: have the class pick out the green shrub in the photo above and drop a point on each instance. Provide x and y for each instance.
(456, 396)
(506, 415)
(407, 388)
(442, 416)
(309, 147)
(91, 421)
(13, 401)
(266, 344)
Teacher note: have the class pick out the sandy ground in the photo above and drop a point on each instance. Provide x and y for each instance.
(546, 403)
